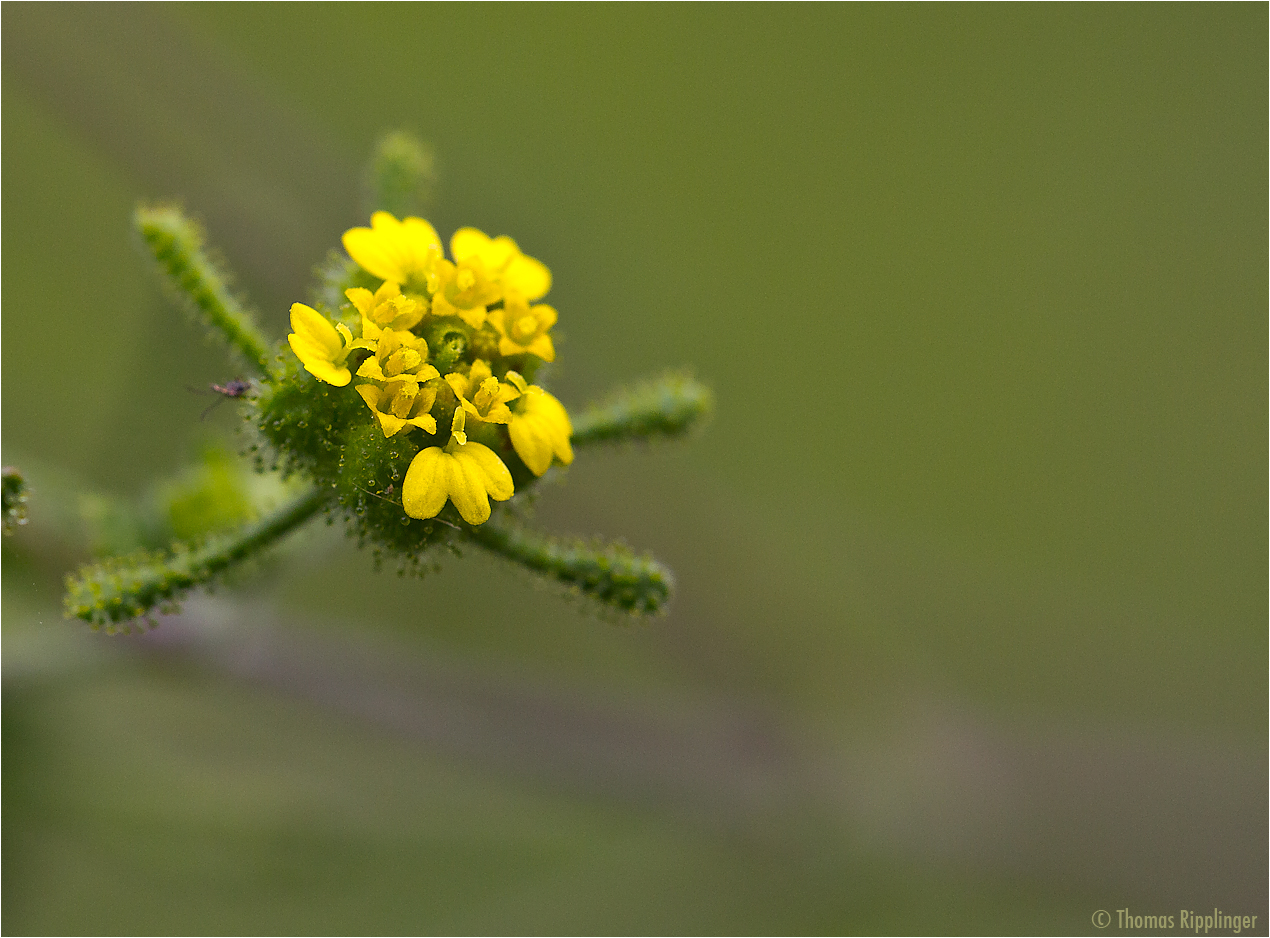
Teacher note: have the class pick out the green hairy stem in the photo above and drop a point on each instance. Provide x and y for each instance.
(127, 588)
(177, 245)
(668, 406)
(612, 574)
(402, 175)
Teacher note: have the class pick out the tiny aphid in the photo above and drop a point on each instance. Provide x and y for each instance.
(236, 388)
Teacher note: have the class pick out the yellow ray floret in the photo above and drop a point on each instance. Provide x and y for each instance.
(504, 262)
(539, 428)
(523, 328)
(386, 308)
(400, 251)
(320, 346)
(467, 474)
(481, 395)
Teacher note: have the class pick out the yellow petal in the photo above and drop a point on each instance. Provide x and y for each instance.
(425, 422)
(306, 349)
(404, 359)
(393, 250)
(370, 332)
(528, 275)
(311, 324)
(498, 479)
(408, 315)
(387, 291)
(370, 369)
(370, 394)
(424, 491)
(312, 357)
(361, 299)
(458, 384)
(473, 316)
(390, 423)
(546, 316)
(374, 255)
(531, 446)
(403, 401)
(338, 376)
(494, 253)
(556, 421)
(467, 489)
(543, 348)
(421, 236)
(563, 449)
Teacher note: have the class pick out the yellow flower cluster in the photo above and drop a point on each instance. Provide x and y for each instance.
(486, 295)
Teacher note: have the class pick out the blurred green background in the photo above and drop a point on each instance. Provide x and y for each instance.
(971, 627)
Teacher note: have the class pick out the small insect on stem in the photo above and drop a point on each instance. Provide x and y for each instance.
(236, 388)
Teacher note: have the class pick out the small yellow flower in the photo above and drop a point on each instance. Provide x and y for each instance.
(396, 371)
(386, 308)
(462, 290)
(397, 354)
(320, 346)
(467, 474)
(481, 395)
(523, 328)
(539, 428)
(400, 251)
(504, 262)
(401, 404)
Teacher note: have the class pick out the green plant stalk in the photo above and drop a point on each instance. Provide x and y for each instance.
(129, 588)
(613, 574)
(667, 406)
(177, 245)
(402, 175)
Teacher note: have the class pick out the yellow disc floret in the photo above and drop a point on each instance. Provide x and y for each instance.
(482, 396)
(396, 392)
(386, 308)
(523, 328)
(400, 405)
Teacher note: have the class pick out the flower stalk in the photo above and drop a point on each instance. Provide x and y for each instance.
(668, 406)
(176, 243)
(612, 574)
(121, 590)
